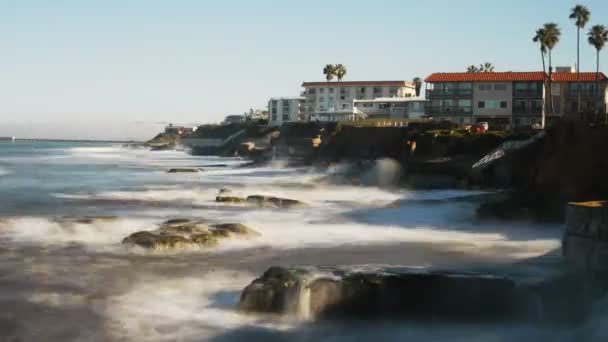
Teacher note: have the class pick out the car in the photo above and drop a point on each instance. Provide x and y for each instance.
(484, 124)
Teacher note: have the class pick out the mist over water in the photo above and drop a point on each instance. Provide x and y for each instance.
(62, 280)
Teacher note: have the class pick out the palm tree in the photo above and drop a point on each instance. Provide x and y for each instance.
(340, 72)
(329, 71)
(581, 16)
(552, 34)
(472, 68)
(486, 67)
(540, 39)
(597, 36)
(418, 84)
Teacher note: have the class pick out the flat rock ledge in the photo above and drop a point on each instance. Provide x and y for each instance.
(327, 292)
(178, 234)
(226, 196)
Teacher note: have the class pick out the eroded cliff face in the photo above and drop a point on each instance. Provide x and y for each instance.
(569, 164)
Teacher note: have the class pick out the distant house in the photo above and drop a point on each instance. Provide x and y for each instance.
(285, 109)
(231, 119)
(390, 108)
(179, 130)
(333, 101)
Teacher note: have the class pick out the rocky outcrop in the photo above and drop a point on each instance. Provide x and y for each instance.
(314, 293)
(585, 241)
(227, 196)
(186, 233)
(183, 170)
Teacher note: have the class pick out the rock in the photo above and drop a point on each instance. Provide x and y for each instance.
(373, 293)
(85, 219)
(184, 233)
(265, 201)
(162, 147)
(233, 229)
(585, 240)
(183, 170)
(157, 241)
(229, 199)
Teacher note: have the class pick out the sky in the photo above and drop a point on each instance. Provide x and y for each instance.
(121, 69)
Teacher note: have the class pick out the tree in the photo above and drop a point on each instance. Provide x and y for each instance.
(418, 84)
(549, 37)
(580, 14)
(486, 67)
(340, 72)
(597, 36)
(472, 68)
(540, 39)
(329, 71)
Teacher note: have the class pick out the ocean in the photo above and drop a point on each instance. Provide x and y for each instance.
(78, 282)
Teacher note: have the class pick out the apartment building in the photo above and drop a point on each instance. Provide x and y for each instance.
(334, 101)
(390, 108)
(285, 109)
(507, 98)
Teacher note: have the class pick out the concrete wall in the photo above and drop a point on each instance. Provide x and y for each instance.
(495, 95)
(278, 113)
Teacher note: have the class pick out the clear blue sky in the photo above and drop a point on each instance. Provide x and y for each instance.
(85, 66)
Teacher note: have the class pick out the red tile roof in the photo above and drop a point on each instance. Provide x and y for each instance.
(510, 76)
(359, 83)
(571, 76)
(485, 76)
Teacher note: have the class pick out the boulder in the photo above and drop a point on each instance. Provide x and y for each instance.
(270, 201)
(185, 233)
(183, 170)
(316, 293)
(229, 199)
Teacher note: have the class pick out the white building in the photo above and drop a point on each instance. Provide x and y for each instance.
(390, 108)
(285, 109)
(334, 101)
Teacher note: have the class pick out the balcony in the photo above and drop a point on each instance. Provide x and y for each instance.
(449, 92)
(527, 111)
(449, 109)
(528, 93)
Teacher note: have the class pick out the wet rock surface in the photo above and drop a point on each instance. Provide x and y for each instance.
(183, 170)
(188, 233)
(226, 195)
(313, 293)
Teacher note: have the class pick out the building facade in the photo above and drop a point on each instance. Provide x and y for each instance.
(509, 98)
(285, 109)
(390, 108)
(334, 101)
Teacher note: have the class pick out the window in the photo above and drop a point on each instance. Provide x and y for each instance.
(481, 104)
(464, 106)
(519, 105)
(345, 106)
(274, 117)
(312, 91)
(321, 99)
(465, 86)
(500, 87)
(376, 90)
(492, 104)
(322, 90)
(285, 117)
(485, 87)
(362, 90)
(555, 89)
(342, 97)
(273, 110)
(392, 91)
(331, 90)
(331, 99)
(537, 105)
(503, 104)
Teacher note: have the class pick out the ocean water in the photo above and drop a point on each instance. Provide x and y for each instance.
(78, 282)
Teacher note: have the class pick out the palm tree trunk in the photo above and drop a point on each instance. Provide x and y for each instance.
(543, 109)
(578, 69)
(597, 84)
(551, 84)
